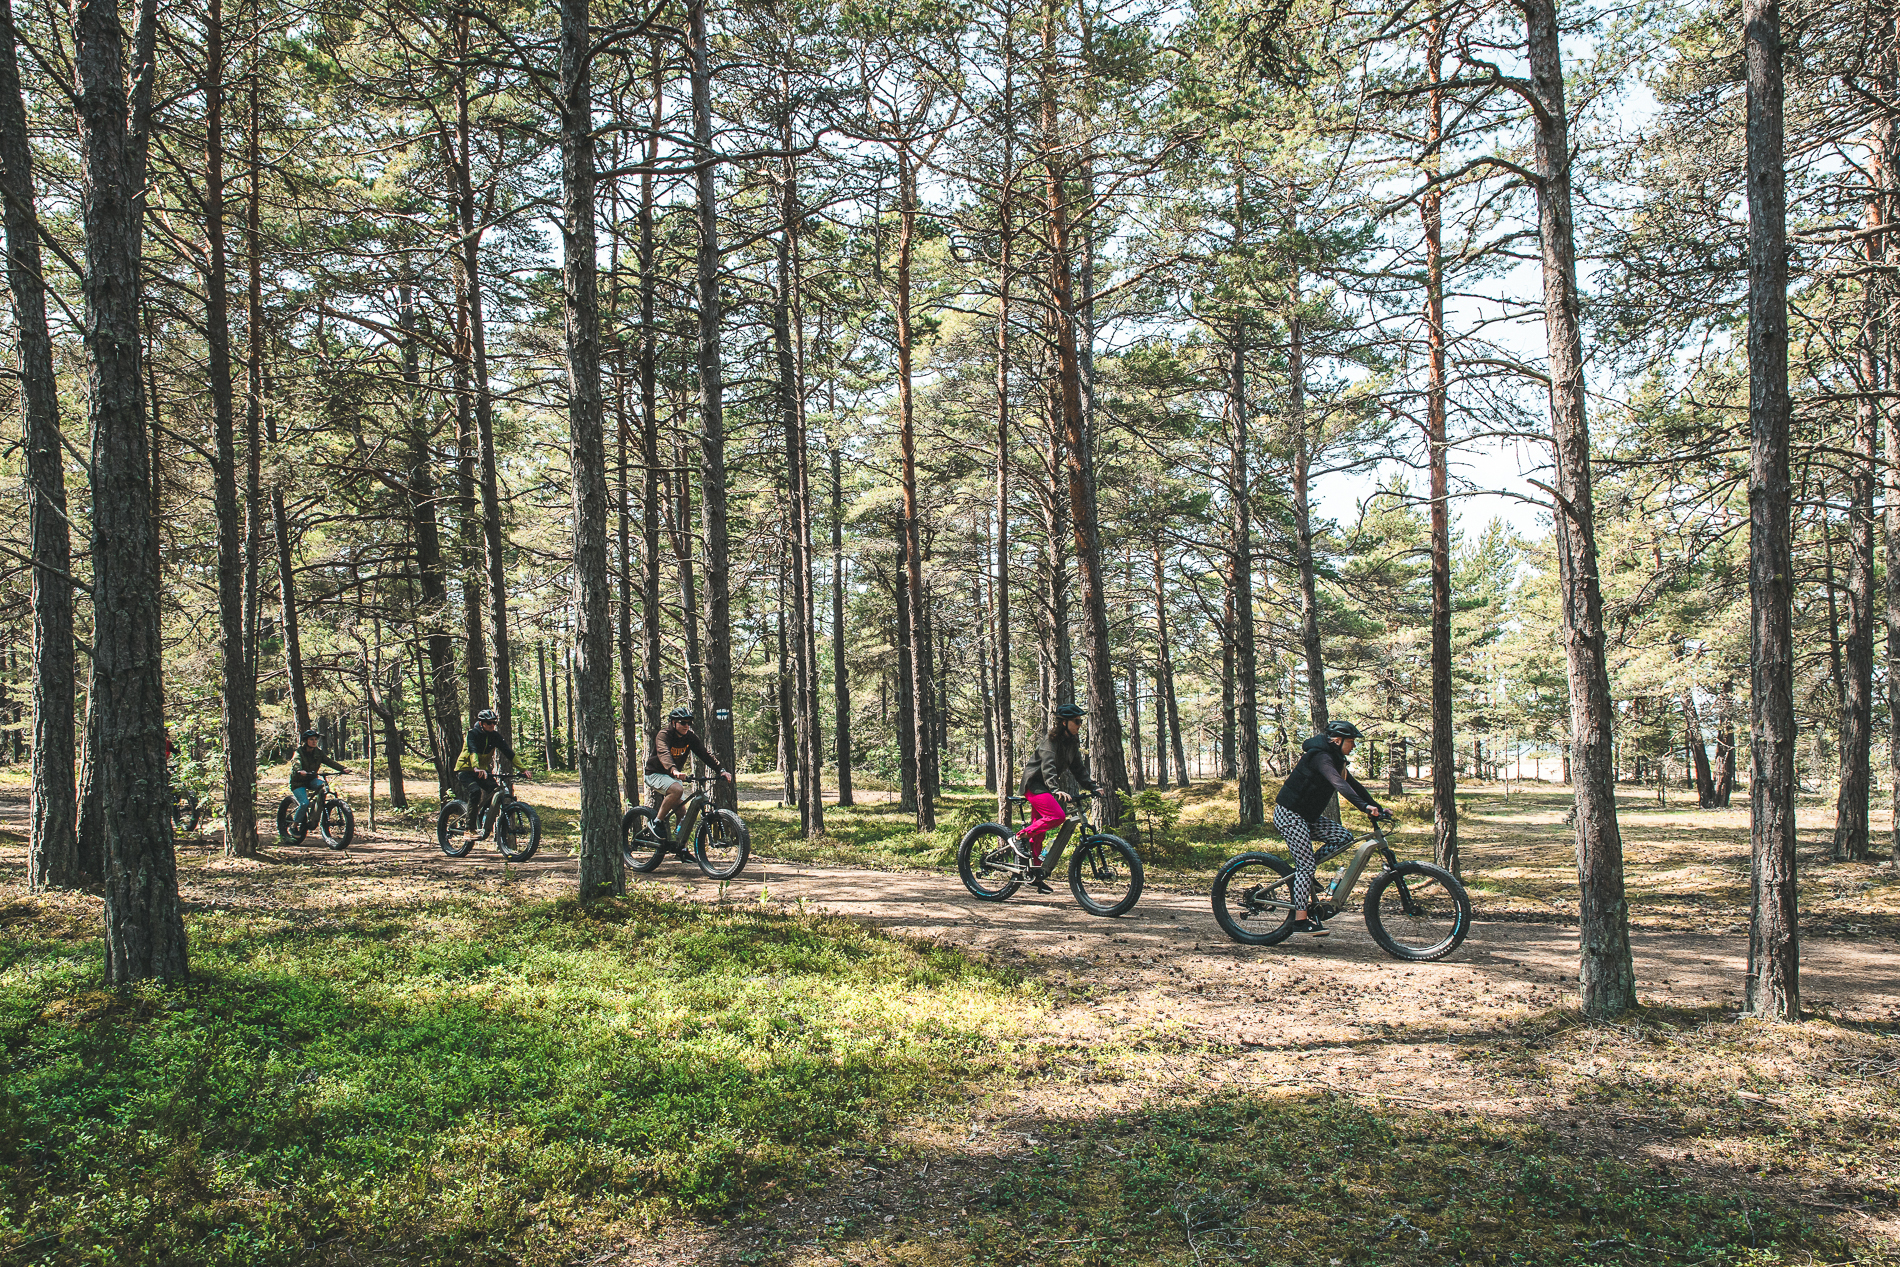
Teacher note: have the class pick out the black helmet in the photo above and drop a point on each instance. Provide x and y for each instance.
(313, 733)
(1342, 730)
(488, 714)
(1071, 712)
(682, 713)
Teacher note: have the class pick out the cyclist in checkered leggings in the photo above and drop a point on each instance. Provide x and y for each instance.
(1300, 810)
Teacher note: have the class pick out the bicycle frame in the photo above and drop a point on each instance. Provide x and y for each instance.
(1073, 823)
(692, 806)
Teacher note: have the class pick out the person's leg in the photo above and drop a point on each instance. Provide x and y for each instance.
(1331, 831)
(1048, 814)
(302, 794)
(675, 792)
(1299, 841)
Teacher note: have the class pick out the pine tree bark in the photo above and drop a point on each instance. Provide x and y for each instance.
(912, 547)
(1303, 519)
(601, 872)
(1444, 760)
(1607, 978)
(1006, 240)
(1698, 751)
(652, 667)
(1246, 757)
(840, 680)
(238, 710)
(907, 781)
(1774, 958)
(792, 421)
(1167, 704)
(470, 274)
(1851, 833)
(426, 536)
(144, 924)
(712, 435)
(53, 860)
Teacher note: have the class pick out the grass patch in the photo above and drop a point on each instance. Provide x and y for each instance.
(457, 1082)
(1251, 1179)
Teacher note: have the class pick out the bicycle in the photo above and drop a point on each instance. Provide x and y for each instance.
(185, 806)
(1105, 874)
(721, 842)
(514, 823)
(336, 821)
(1414, 910)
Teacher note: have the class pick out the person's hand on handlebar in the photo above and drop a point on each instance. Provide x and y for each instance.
(1377, 812)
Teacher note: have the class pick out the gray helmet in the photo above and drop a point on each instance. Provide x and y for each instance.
(1342, 730)
(682, 713)
(488, 714)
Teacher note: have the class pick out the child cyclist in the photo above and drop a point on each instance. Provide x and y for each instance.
(1055, 767)
(1300, 810)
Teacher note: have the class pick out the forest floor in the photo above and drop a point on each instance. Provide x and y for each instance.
(393, 1056)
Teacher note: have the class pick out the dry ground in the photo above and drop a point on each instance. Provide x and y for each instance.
(1159, 1009)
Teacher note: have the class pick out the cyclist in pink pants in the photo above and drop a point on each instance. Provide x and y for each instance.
(1056, 766)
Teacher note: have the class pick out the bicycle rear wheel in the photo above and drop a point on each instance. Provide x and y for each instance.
(286, 810)
(451, 828)
(339, 825)
(640, 845)
(518, 832)
(184, 811)
(1253, 899)
(1417, 912)
(1105, 875)
(722, 844)
(988, 864)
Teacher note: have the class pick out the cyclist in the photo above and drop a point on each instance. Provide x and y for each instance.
(308, 772)
(671, 743)
(1300, 809)
(474, 769)
(1057, 766)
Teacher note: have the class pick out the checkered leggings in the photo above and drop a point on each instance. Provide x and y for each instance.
(1299, 833)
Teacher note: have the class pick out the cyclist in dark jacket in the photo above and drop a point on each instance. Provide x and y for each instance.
(306, 772)
(1056, 766)
(1299, 811)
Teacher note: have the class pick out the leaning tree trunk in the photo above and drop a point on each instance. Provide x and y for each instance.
(238, 676)
(1607, 979)
(53, 855)
(1774, 989)
(596, 759)
(712, 418)
(144, 923)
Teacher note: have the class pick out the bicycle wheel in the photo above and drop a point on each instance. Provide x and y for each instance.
(1417, 912)
(1105, 875)
(184, 811)
(722, 844)
(640, 845)
(286, 810)
(451, 826)
(1253, 899)
(987, 862)
(518, 834)
(339, 825)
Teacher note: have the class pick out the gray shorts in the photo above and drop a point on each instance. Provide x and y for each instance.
(661, 782)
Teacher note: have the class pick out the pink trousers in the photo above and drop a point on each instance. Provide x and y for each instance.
(1048, 814)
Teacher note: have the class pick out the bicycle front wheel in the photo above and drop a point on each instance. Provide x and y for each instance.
(518, 833)
(1105, 875)
(640, 845)
(184, 811)
(1253, 899)
(722, 844)
(1417, 912)
(451, 829)
(339, 825)
(988, 864)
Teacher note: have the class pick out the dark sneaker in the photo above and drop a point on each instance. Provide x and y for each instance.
(1311, 927)
(1023, 851)
(1039, 884)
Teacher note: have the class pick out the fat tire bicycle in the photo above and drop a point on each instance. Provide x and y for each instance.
(1105, 873)
(1414, 910)
(716, 839)
(514, 824)
(335, 820)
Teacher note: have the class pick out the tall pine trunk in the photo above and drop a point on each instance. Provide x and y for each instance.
(1167, 706)
(840, 681)
(712, 417)
(811, 804)
(1774, 957)
(651, 664)
(1851, 836)
(1444, 762)
(53, 859)
(913, 562)
(238, 711)
(144, 923)
(1606, 977)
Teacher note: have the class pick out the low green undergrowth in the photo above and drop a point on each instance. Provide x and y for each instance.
(1331, 1181)
(457, 1082)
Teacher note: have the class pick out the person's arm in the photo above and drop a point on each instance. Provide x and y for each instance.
(663, 753)
(1344, 784)
(1364, 795)
(325, 759)
(1080, 769)
(699, 750)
